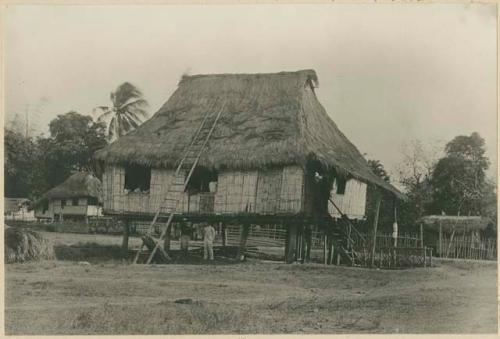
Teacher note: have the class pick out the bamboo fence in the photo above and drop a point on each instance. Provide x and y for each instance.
(467, 247)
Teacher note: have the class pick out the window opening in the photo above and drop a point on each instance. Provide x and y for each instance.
(137, 178)
(341, 183)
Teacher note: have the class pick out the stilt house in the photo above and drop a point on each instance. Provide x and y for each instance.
(77, 198)
(272, 154)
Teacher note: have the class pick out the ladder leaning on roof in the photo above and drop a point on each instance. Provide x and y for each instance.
(180, 181)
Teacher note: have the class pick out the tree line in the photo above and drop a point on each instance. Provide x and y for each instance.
(452, 184)
(34, 164)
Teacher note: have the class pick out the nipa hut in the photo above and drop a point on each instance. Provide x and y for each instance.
(77, 198)
(438, 227)
(274, 156)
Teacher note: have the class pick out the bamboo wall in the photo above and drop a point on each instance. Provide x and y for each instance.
(264, 192)
(236, 192)
(352, 202)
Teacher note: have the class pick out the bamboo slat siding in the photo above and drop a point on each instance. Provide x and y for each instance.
(352, 202)
(268, 191)
(160, 180)
(292, 190)
(264, 192)
(236, 192)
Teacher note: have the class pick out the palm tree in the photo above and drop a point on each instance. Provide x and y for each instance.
(126, 113)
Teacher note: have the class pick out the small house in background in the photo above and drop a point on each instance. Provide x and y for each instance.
(77, 198)
(275, 156)
(18, 209)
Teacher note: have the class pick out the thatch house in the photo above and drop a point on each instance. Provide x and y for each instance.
(441, 230)
(275, 154)
(77, 198)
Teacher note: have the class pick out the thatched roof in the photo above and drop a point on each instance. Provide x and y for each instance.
(459, 223)
(267, 120)
(79, 184)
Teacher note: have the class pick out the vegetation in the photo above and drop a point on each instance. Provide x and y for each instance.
(458, 179)
(22, 245)
(33, 165)
(20, 155)
(125, 114)
(454, 184)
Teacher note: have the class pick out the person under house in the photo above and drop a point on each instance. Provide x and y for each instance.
(208, 242)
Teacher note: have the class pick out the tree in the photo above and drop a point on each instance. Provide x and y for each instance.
(126, 113)
(489, 207)
(20, 156)
(386, 215)
(415, 172)
(458, 179)
(73, 140)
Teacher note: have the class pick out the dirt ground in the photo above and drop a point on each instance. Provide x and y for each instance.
(64, 297)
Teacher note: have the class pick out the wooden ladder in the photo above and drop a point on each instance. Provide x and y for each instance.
(179, 183)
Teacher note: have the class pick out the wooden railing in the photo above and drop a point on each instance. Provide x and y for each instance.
(383, 240)
(258, 236)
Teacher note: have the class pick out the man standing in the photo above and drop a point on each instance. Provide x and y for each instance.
(208, 242)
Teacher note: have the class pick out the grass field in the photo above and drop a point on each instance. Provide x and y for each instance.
(108, 297)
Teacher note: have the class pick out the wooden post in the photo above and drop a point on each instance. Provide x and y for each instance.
(421, 235)
(329, 242)
(166, 241)
(325, 240)
(451, 242)
(440, 240)
(292, 243)
(332, 249)
(126, 231)
(299, 244)
(375, 225)
(245, 229)
(395, 224)
(308, 242)
(223, 234)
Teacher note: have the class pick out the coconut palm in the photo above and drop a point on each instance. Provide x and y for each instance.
(126, 113)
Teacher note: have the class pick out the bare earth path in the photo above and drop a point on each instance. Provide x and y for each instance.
(254, 297)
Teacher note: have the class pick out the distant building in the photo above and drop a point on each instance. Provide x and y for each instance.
(18, 209)
(77, 198)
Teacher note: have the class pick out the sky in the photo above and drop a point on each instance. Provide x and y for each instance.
(388, 74)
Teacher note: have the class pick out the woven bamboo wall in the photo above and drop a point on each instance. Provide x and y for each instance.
(160, 181)
(292, 190)
(352, 202)
(236, 192)
(265, 192)
(269, 191)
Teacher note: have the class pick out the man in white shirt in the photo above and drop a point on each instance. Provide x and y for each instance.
(208, 242)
